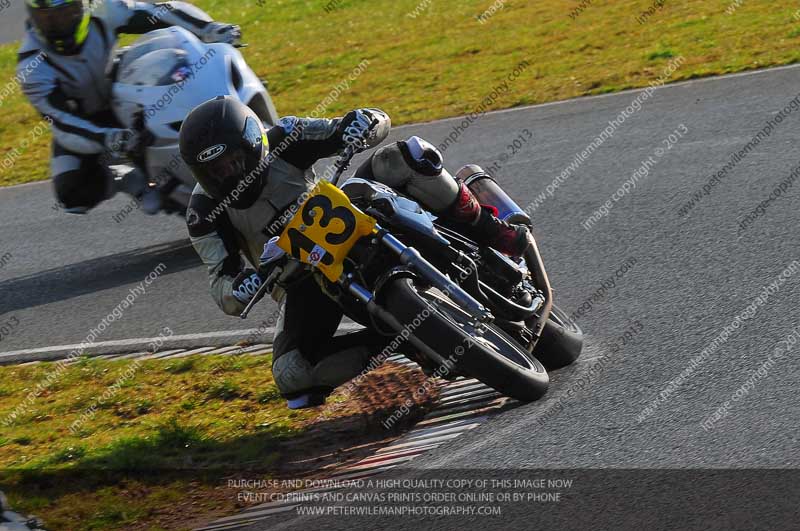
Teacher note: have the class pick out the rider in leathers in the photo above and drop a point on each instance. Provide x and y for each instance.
(249, 179)
(61, 67)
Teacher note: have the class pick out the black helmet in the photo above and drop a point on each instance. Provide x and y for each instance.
(64, 24)
(224, 143)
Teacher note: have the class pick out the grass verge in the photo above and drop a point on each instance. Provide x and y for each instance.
(433, 59)
(151, 444)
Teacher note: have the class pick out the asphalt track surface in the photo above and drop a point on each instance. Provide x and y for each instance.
(692, 276)
(11, 17)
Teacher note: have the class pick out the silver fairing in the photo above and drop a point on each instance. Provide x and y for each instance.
(168, 72)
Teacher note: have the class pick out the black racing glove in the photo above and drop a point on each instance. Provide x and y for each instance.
(364, 128)
(219, 32)
(119, 142)
(245, 285)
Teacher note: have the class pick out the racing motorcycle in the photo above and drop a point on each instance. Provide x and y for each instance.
(157, 81)
(462, 309)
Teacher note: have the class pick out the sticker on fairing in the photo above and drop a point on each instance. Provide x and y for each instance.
(316, 255)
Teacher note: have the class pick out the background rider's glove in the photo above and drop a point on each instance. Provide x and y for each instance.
(364, 128)
(245, 285)
(217, 32)
(121, 141)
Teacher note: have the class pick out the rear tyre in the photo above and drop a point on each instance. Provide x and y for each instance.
(493, 358)
(561, 342)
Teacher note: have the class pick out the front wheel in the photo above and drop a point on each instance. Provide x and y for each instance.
(492, 357)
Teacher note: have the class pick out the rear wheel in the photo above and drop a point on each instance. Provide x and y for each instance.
(492, 357)
(561, 341)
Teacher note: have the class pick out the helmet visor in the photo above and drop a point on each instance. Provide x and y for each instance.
(232, 173)
(58, 23)
(220, 176)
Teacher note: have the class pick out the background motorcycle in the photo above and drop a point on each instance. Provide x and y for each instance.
(157, 80)
(461, 309)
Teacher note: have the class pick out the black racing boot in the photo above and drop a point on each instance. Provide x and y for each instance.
(497, 234)
(305, 385)
(480, 223)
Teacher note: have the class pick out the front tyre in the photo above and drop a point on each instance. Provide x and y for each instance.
(494, 357)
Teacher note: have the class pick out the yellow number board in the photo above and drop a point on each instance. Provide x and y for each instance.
(325, 229)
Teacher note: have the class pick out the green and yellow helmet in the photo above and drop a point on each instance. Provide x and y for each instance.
(64, 24)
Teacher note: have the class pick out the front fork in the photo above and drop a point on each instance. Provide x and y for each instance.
(412, 259)
(533, 259)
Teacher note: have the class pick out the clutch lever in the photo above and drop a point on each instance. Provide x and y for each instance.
(263, 289)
